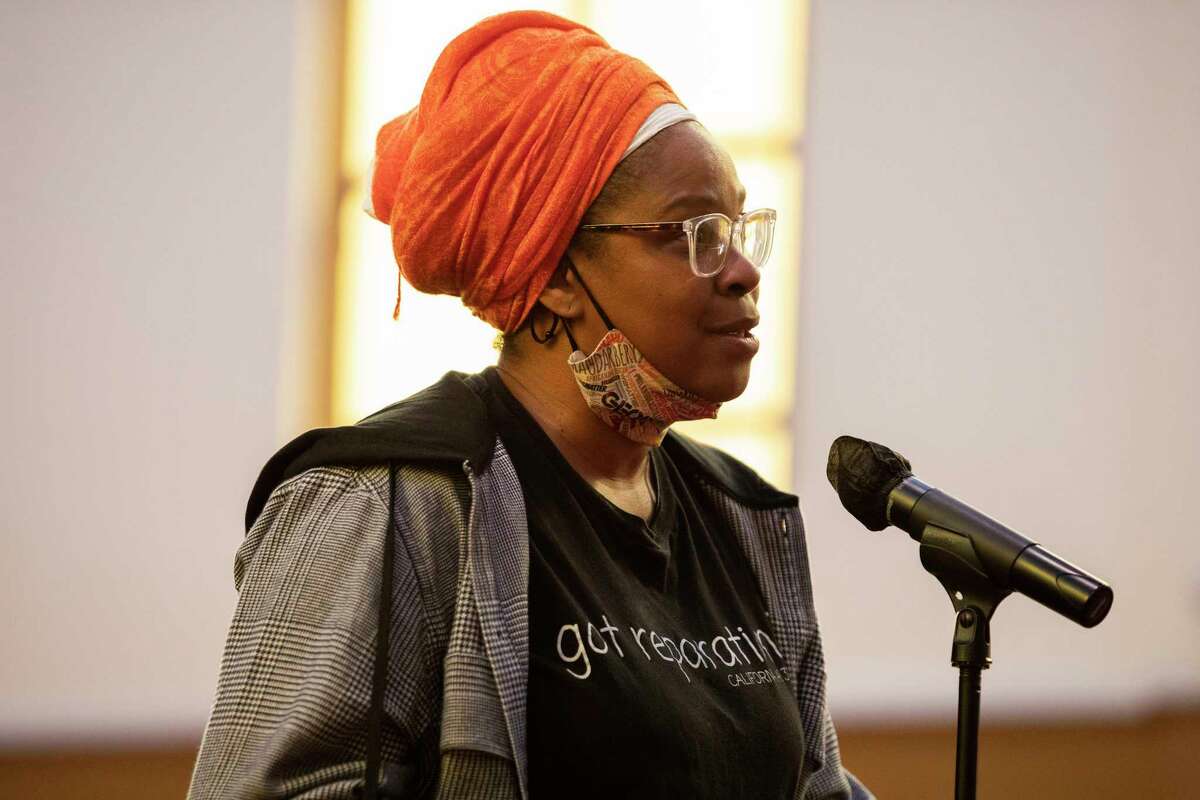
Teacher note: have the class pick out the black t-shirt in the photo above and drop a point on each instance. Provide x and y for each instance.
(653, 671)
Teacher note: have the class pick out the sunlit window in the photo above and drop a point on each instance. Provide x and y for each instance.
(738, 67)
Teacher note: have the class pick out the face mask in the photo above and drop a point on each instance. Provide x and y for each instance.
(628, 392)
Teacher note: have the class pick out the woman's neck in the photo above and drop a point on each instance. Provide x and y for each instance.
(611, 463)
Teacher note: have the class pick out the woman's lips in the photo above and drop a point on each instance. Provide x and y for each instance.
(742, 341)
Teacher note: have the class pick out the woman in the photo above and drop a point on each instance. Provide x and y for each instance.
(520, 582)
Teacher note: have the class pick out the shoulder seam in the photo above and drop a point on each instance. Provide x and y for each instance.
(289, 485)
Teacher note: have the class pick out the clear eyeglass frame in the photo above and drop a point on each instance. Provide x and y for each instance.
(710, 236)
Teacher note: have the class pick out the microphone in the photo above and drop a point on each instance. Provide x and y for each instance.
(877, 486)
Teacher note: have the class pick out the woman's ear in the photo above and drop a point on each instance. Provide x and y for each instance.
(562, 293)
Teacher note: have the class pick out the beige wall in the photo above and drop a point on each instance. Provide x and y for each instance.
(153, 246)
(1001, 275)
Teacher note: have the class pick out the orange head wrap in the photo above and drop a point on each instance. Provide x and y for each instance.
(521, 122)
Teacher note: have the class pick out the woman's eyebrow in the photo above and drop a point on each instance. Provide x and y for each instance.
(700, 199)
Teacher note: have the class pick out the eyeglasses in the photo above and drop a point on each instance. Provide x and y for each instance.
(709, 237)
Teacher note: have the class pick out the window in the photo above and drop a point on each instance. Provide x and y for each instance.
(739, 67)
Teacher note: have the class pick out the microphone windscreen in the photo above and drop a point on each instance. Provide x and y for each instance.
(863, 474)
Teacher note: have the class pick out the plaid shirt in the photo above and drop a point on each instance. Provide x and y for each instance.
(295, 686)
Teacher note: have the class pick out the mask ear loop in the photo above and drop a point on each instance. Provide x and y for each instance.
(570, 338)
(592, 297)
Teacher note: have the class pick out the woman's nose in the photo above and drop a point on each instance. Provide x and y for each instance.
(739, 276)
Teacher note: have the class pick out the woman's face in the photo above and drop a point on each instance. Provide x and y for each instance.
(695, 330)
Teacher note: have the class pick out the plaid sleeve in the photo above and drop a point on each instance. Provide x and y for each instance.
(833, 781)
(289, 718)
(474, 775)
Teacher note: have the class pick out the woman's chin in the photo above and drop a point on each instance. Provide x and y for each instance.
(725, 387)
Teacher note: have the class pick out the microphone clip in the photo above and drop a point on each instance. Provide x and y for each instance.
(951, 558)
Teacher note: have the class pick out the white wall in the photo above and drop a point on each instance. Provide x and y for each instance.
(1001, 275)
(145, 151)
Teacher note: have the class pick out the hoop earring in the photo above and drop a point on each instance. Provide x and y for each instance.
(550, 333)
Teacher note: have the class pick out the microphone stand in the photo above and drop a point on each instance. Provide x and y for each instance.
(950, 557)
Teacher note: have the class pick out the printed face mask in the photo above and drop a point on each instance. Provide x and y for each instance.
(628, 392)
